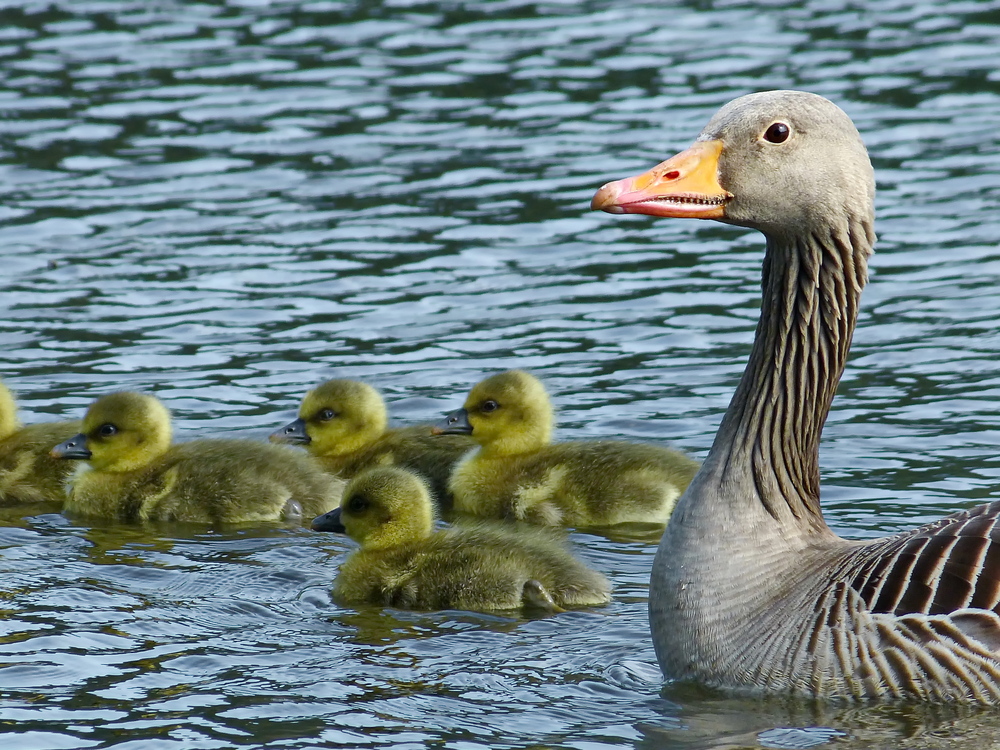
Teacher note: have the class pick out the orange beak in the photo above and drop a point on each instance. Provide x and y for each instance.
(684, 186)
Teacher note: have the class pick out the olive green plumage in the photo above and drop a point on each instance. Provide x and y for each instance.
(518, 473)
(344, 424)
(28, 474)
(403, 562)
(134, 473)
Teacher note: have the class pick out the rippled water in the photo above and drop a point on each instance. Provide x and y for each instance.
(225, 203)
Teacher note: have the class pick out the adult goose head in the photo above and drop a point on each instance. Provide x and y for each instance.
(750, 589)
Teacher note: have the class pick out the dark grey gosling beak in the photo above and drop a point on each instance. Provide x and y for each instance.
(329, 521)
(293, 432)
(455, 423)
(75, 447)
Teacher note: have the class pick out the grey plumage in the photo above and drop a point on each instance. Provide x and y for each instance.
(750, 589)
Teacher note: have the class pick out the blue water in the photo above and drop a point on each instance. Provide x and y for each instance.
(225, 203)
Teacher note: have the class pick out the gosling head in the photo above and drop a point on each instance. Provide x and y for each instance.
(121, 432)
(336, 418)
(507, 413)
(8, 413)
(382, 508)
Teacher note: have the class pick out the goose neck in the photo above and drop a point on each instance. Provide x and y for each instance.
(769, 438)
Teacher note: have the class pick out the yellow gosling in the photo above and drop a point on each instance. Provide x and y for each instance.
(344, 424)
(486, 567)
(28, 474)
(134, 473)
(517, 473)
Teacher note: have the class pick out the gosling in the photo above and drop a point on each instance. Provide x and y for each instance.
(517, 473)
(28, 474)
(403, 562)
(343, 423)
(133, 473)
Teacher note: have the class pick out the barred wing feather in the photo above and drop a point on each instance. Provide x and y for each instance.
(948, 565)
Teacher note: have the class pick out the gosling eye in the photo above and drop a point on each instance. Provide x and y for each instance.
(327, 414)
(778, 132)
(487, 406)
(107, 430)
(357, 504)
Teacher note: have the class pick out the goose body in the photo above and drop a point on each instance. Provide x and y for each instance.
(28, 474)
(750, 589)
(403, 562)
(344, 425)
(134, 473)
(517, 473)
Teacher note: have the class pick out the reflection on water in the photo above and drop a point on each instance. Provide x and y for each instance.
(228, 202)
(701, 720)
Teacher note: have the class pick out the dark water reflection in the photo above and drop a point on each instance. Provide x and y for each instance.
(226, 203)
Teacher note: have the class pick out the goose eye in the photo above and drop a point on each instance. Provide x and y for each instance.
(357, 504)
(327, 414)
(489, 406)
(777, 133)
(107, 430)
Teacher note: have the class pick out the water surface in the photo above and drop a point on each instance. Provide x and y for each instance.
(225, 203)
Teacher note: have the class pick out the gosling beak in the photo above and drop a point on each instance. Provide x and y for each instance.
(684, 186)
(75, 447)
(293, 433)
(455, 423)
(329, 521)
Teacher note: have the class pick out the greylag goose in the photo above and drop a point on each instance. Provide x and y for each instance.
(134, 473)
(344, 425)
(750, 588)
(518, 474)
(404, 562)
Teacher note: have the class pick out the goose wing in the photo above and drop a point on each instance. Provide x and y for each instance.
(949, 565)
(914, 615)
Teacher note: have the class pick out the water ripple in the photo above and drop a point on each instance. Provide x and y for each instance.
(227, 202)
